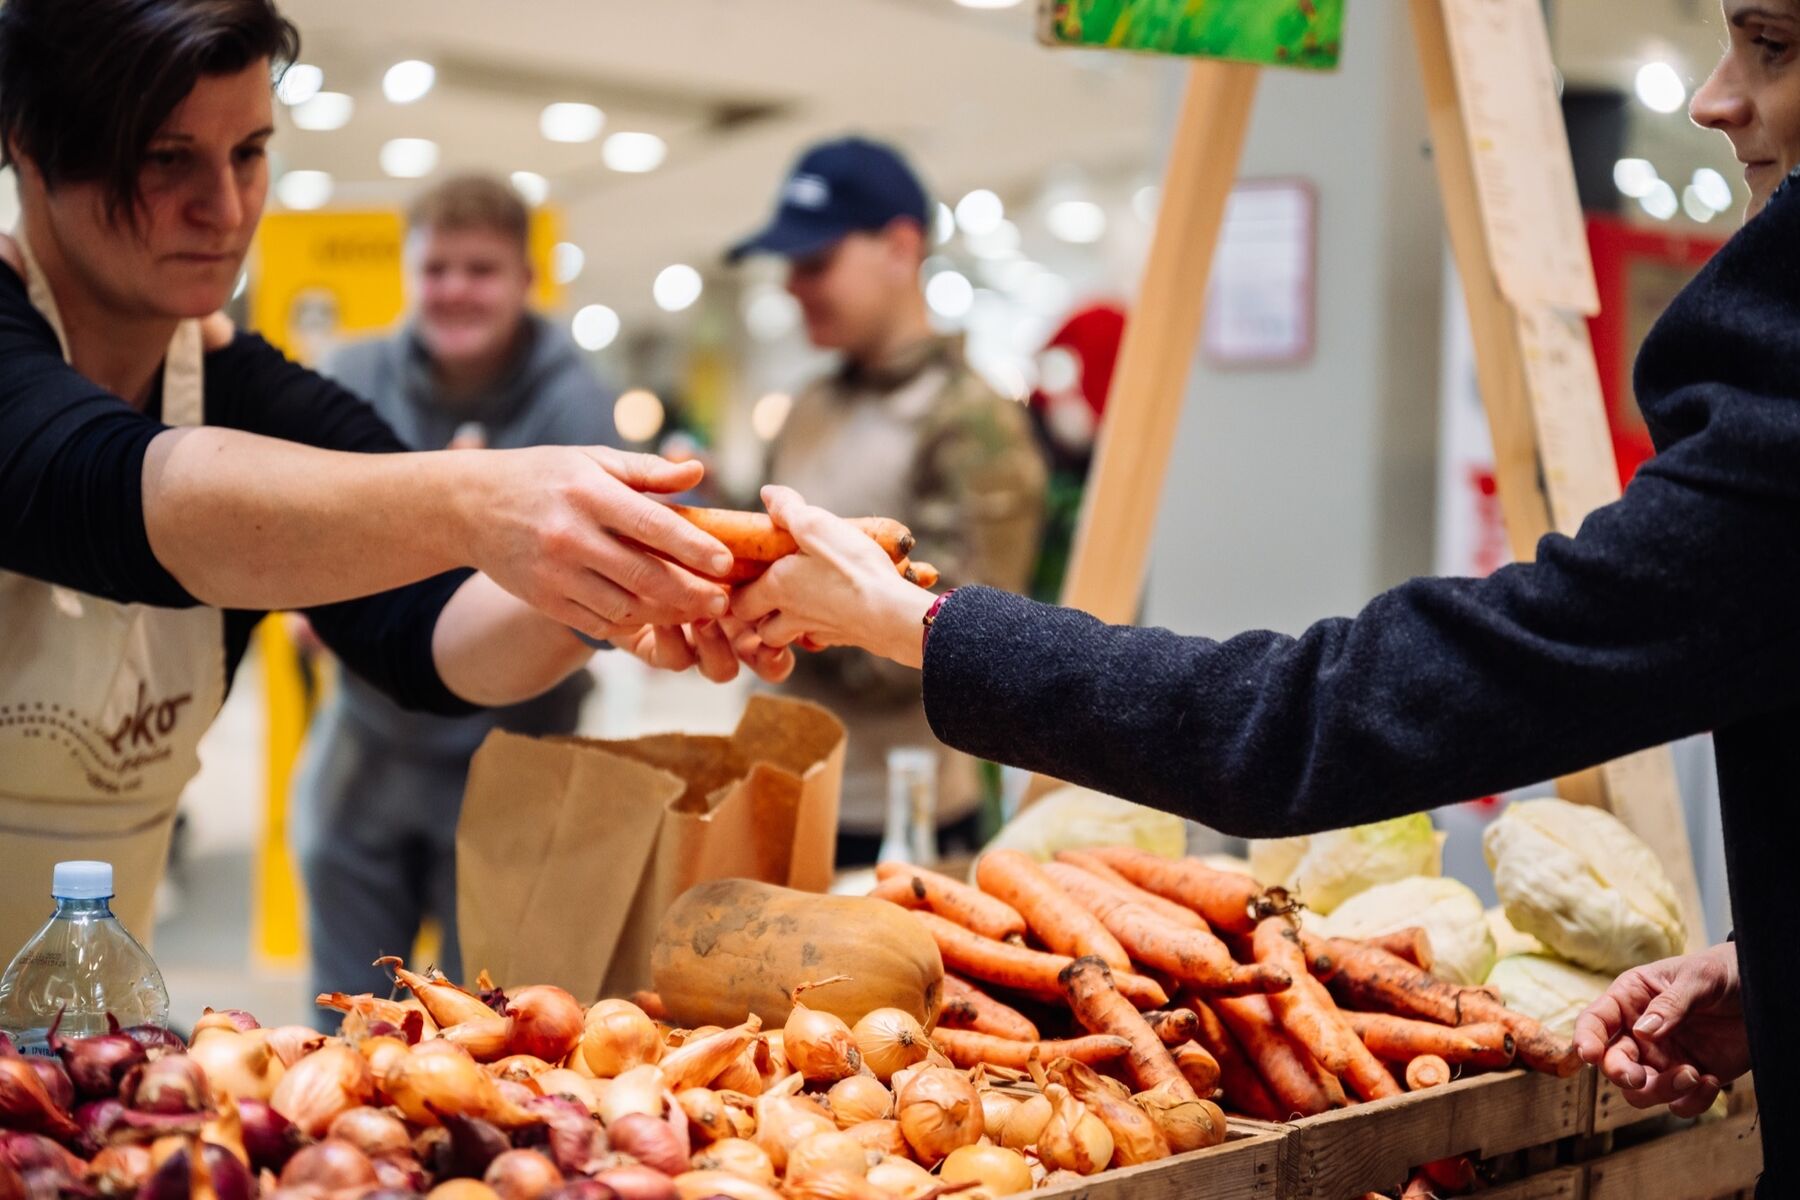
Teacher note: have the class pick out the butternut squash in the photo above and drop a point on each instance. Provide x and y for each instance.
(734, 947)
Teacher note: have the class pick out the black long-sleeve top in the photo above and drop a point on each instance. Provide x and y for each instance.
(71, 491)
(1673, 611)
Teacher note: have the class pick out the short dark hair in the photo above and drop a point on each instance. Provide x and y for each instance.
(472, 202)
(85, 84)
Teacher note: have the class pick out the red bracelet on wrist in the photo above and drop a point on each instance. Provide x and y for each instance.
(931, 616)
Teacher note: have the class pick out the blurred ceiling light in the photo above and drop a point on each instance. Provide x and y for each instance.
(533, 188)
(1695, 205)
(1003, 242)
(1080, 221)
(1014, 275)
(408, 81)
(1661, 201)
(1144, 202)
(571, 122)
(1660, 88)
(299, 83)
(943, 227)
(980, 212)
(303, 189)
(676, 287)
(409, 158)
(1048, 292)
(1712, 188)
(769, 414)
(770, 313)
(1059, 369)
(638, 415)
(594, 327)
(634, 153)
(1634, 177)
(324, 112)
(566, 261)
(950, 294)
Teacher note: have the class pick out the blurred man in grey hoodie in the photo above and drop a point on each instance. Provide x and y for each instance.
(379, 789)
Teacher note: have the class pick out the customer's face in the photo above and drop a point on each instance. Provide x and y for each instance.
(204, 179)
(850, 293)
(1753, 95)
(469, 289)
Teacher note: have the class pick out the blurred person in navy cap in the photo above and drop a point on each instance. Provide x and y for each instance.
(902, 428)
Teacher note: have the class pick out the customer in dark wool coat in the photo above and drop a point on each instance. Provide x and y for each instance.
(1670, 612)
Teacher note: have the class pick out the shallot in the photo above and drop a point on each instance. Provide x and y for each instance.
(650, 1140)
(616, 1036)
(96, 1064)
(522, 1175)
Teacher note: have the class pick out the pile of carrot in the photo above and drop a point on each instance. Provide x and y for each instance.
(1166, 972)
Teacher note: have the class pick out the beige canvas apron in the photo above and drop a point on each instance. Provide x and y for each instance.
(101, 710)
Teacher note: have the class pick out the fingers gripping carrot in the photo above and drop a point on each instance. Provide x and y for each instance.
(1050, 913)
(966, 1006)
(1100, 1008)
(1180, 914)
(755, 536)
(969, 907)
(1020, 968)
(968, 1049)
(1231, 903)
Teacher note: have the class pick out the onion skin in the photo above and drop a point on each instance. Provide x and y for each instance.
(616, 1036)
(638, 1183)
(859, 1099)
(174, 1179)
(735, 1156)
(650, 1140)
(291, 1043)
(574, 1141)
(522, 1175)
(156, 1040)
(98, 1118)
(883, 1137)
(890, 1039)
(243, 1066)
(116, 1170)
(705, 1184)
(56, 1081)
(543, 1020)
(321, 1086)
(12, 1184)
(174, 1083)
(462, 1189)
(26, 1106)
(331, 1166)
(269, 1138)
(939, 1111)
(234, 1019)
(996, 1170)
(474, 1145)
(97, 1064)
(372, 1131)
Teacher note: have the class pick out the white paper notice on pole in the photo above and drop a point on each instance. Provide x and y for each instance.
(1500, 52)
(1260, 309)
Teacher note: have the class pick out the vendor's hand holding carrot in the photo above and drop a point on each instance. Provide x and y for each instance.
(839, 590)
(717, 647)
(1671, 1032)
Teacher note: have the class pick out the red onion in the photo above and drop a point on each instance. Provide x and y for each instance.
(474, 1144)
(235, 1019)
(98, 1117)
(226, 1177)
(55, 1080)
(384, 1193)
(574, 1141)
(582, 1189)
(174, 1083)
(97, 1064)
(7, 1049)
(27, 1152)
(637, 1182)
(25, 1105)
(543, 1020)
(649, 1140)
(330, 1166)
(12, 1184)
(269, 1137)
(120, 1170)
(401, 1173)
(157, 1040)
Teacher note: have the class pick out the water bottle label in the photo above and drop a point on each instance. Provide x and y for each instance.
(34, 1043)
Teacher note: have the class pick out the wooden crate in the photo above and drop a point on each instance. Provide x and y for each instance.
(1374, 1146)
(1613, 1112)
(1709, 1160)
(1245, 1167)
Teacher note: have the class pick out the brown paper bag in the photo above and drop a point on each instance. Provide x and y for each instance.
(570, 849)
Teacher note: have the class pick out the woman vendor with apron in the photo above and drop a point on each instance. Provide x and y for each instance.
(165, 481)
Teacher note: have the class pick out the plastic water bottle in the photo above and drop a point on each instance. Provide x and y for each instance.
(911, 833)
(82, 963)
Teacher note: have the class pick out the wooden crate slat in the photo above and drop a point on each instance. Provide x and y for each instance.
(1612, 1111)
(1564, 1183)
(1703, 1162)
(1373, 1146)
(1246, 1167)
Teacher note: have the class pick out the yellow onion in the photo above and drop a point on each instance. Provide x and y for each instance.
(1074, 1139)
(994, 1170)
(234, 1020)
(483, 1037)
(291, 1043)
(1026, 1123)
(938, 1111)
(890, 1040)
(439, 1075)
(902, 1178)
(241, 1066)
(996, 1107)
(698, 1061)
(380, 1053)
(372, 1131)
(617, 1035)
(543, 1020)
(782, 1122)
(1136, 1137)
(327, 1082)
(904, 1074)
(563, 1082)
(882, 1136)
(446, 1003)
(771, 1057)
(1058, 1178)
(832, 1185)
(819, 1045)
(1187, 1123)
(706, 1114)
(825, 1152)
(742, 1158)
(705, 1184)
(429, 1027)
(519, 1068)
(226, 1128)
(742, 1073)
(462, 1189)
(522, 1175)
(857, 1099)
(639, 1090)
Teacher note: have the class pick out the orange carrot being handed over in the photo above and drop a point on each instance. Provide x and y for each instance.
(1100, 1008)
(1231, 903)
(972, 908)
(1021, 968)
(966, 1006)
(1050, 912)
(754, 536)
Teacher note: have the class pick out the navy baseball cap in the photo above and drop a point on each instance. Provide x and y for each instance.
(838, 188)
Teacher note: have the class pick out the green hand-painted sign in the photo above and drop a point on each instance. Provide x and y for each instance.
(1281, 33)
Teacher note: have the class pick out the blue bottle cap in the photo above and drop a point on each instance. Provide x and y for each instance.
(82, 880)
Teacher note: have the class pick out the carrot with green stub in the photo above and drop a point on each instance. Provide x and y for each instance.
(1244, 1090)
(968, 1049)
(1298, 1007)
(1173, 1025)
(1179, 914)
(1288, 1075)
(755, 536)
(1020, 968)
(1426, 1071)
(1401, 1039)
(970, 907)
(1370, 979)
(1050, 913)
(1231, 903)
(1100, 1008)
(966, 1006)
(1194, 957)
